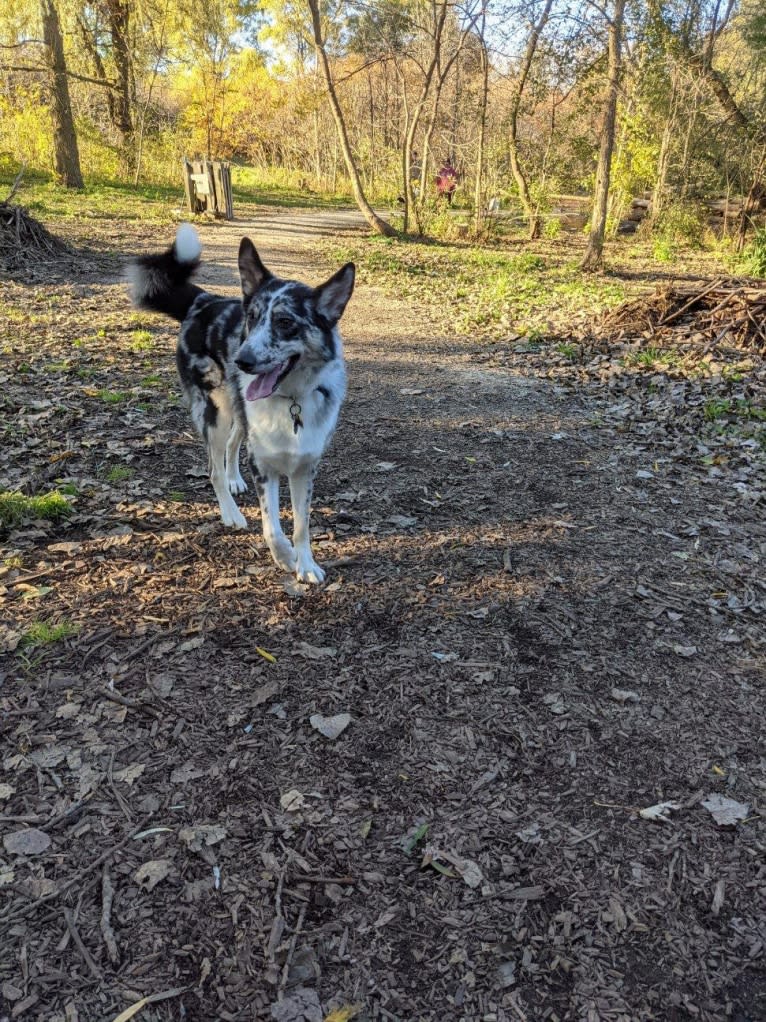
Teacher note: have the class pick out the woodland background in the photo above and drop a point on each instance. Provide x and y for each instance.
(532, 100)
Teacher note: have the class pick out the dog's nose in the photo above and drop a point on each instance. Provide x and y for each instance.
(247, 365)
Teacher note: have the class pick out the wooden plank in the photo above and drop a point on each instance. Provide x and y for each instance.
(201, 184)
(188, 187)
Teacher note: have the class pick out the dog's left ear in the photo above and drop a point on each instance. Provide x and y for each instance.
(252, 272)
(332, 296)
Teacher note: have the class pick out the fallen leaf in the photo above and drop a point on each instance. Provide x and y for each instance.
(302, 1005)
(684, 651)
(725, 811)
(292, 801)
(305, 649)
(6, 791)
(659, 813)
(467, 869)
(202, 834)
(27, 842)
(152, 872)
(330, 727)
(385, 466)
(7, 875)
(345, 1013)
(625, 695)
(190, 644)
(184, 773)
(413, 836)
(129, 773)
(266, 655)
(403, 521)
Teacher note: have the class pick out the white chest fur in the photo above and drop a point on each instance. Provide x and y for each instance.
(272, 436)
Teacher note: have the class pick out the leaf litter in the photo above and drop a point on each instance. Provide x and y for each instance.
(649, 444)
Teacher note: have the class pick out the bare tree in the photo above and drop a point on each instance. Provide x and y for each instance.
(66, 154)
(530, 211)
(368, 212)
(594, 253)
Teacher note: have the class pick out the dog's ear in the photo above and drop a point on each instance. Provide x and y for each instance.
(332, 296)
(252, 272)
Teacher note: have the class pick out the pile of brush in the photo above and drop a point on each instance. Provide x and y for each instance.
(22, 238)
(719, 318)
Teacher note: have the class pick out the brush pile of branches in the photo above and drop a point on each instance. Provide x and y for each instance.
(23, 239)
(720, 318)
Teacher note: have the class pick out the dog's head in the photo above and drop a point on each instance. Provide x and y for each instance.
(287, 324)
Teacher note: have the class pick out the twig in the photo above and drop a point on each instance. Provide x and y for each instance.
(291, 951)
(80, 946)
(134, 1009)
(107, 896)
(15, 184)
(27, 909)
(131, 703)
(695, 298)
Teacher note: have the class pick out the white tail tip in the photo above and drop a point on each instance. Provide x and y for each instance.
(188, 248)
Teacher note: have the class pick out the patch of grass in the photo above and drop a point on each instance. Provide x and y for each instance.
(119, 473)
(14, 561)
(484, 291)
(567, 350)
(43, 633)
(727, 408)
(651, 357)
(16, 508)
(176, 496)
(141, 340)
(152, 380)
(112, 397)
(70, 489)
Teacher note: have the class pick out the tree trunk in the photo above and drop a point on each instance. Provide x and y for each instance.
(368, 212)
(530, 212)
(119, 29)
(478, 205)
(660, 191)
(65, 152)
(594, 253)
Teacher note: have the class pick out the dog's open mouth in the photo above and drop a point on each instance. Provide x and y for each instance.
(265, 384)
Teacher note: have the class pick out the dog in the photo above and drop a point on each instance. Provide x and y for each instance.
(267, 371)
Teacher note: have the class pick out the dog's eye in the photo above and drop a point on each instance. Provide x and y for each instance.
(285, 325)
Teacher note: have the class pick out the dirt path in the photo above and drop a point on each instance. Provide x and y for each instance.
(538, 623)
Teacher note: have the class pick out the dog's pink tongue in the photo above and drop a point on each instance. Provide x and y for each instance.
(263, 385)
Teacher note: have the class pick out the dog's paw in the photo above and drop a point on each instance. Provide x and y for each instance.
(234, 519)
(309, 571)
(237, 484)
(283, 554)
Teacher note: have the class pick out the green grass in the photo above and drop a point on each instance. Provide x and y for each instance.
(727, 408)
(152, 380)
(43, 633)
(141, 340)
(101, 200)
(118, 474)
(112, 397)
(16, 508)
(651, 357)
(485, 291)
(176, 496)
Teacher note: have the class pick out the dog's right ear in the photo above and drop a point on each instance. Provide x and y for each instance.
(252, 272)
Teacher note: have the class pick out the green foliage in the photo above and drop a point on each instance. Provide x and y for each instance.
(43, 633)
(753, 260)
(16, 508)
(682, 223)
(119, 474)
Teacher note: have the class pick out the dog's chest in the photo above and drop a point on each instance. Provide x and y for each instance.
(285, 432)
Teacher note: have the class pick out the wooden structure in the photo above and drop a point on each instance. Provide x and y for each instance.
(208, 187)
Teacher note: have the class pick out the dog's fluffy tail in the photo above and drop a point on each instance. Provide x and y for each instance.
(161, 282)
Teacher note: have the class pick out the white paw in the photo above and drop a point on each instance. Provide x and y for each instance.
(309, 571)
(234, 519)
(237, 484)
(283, 553)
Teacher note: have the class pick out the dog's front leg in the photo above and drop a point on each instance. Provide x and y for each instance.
(267, 488)
(301, 488)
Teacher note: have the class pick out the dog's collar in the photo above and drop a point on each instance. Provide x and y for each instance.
(295, 411)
